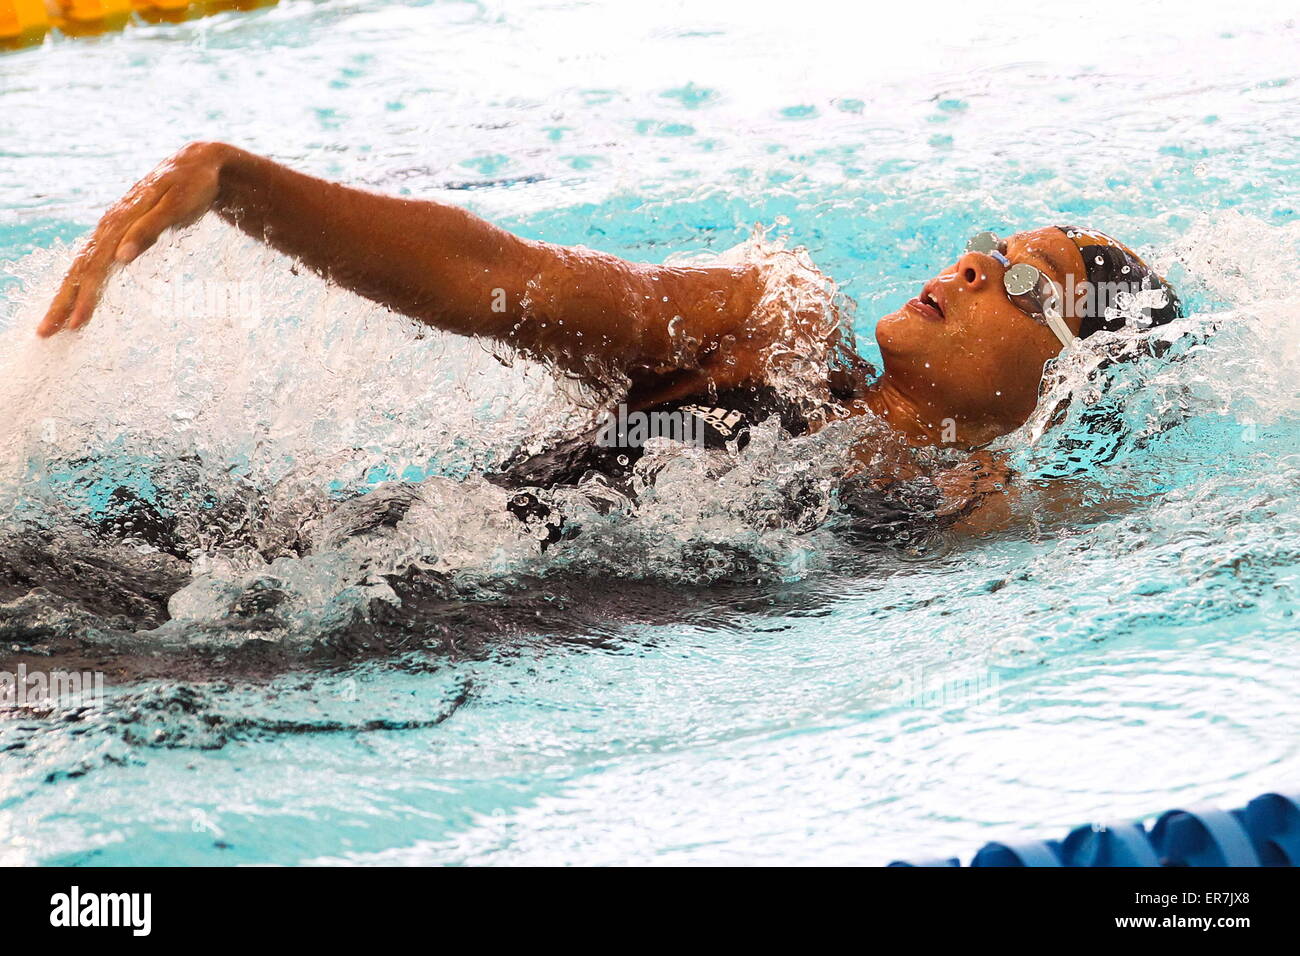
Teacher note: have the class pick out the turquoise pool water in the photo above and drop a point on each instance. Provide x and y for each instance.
(655, 699)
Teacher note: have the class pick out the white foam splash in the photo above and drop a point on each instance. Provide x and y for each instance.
(306, 373)
(229, 378)
(1234, 357)
(251, 399)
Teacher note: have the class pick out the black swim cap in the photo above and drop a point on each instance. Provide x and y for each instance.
(1115, 270)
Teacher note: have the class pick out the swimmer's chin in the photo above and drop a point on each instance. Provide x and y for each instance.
(905, 334)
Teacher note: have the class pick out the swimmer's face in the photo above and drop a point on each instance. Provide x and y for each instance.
(963, 350)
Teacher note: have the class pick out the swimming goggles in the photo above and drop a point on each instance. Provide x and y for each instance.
(1028, 288)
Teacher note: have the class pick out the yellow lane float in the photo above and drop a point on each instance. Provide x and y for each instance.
(168, 11)
(26, 22)
(88, 17)
(23, 22)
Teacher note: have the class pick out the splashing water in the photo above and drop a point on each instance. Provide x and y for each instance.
(299, 445)
(238, 471)
(1235, 361)
(284, 436)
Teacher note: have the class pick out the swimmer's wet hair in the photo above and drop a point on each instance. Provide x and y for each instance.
(1113, 266)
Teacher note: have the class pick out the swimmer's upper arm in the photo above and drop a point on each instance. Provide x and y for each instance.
(577, 304)
(451, 269)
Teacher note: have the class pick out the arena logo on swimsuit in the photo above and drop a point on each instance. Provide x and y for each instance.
(624, 429)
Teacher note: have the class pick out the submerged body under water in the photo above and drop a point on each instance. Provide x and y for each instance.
(336, 572)
(257, 505)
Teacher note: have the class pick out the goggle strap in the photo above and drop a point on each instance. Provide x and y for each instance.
(1062, 331)
(988, 243)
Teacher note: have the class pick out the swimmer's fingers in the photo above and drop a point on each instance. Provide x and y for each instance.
(144, 213)
(79, 292)
(57, 314)
(183, 193)
(88, 293)
(177, 192)
(969, 483)
(77, 296)
(147, 226)
(90, 273)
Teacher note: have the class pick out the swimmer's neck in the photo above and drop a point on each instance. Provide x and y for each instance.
(921, 423)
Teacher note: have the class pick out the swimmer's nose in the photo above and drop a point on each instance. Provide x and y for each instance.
(973, 270)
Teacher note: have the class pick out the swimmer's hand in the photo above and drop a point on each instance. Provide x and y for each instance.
(984, 497)
(176, 193)
(973, 485)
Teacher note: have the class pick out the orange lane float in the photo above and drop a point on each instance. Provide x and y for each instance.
(26, 22)
(88, 17)
(169, 11)
(23, 22)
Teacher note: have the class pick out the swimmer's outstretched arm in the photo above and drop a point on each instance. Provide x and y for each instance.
(437, 263)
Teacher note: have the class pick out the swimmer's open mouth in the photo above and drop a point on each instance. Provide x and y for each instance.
(928, 302)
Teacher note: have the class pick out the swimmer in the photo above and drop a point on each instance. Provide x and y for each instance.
(963, 360)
